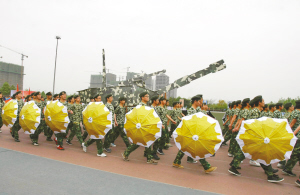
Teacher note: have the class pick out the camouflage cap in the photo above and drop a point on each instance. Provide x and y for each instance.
(55, 95)
(279, 104)
(195, 98)
(70, 97)
(108, 96)
(122, 98)
(288, 105)
(271, 106)
(162, 99)
(266, 106)
(238, 102)
(233, 103)
(297, 104)
(18, 92)
(257, 99)
(27, 97)
(62, 93)
(76, 96)
(200, 96)
(175, 103)
(245, 101)
(154, 98)
(49, 93)
(143, 94)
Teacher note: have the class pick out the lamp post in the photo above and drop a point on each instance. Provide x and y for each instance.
(57, 38)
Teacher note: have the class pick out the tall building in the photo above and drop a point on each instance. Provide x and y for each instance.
(12, 74)
(97, 80)
(161, 81)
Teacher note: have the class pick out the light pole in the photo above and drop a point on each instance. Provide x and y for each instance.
(57, 38)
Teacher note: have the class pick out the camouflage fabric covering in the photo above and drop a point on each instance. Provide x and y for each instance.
(41, 105)
(120, 115)
(270, 114)
(191, 111)
(277, 114)
(2, 103)
(110, 108)
(287, 115)
(20, 106)
(228, 111)
(162, 113)
(295, 115)
(254, 114)
(77, 112)
(173, 114)
(142, 104)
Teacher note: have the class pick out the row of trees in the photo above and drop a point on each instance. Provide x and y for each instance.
(5, 89)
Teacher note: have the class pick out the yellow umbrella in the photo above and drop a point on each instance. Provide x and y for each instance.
(9, 113)
(29, 117)
(142, 126)
(198, 136)
(56, 116)
(97, 120)
(266, 140)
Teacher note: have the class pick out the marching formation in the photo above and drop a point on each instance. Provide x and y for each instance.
(197, 135)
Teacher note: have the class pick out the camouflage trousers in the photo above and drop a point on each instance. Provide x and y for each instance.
(60, 138)
(227, 136)
(48, 132)
(295, 157)
(76, 130)
(35, 137)
(173, 127)
(133, 147)
(109, 137)
(180, 155)
(1, 122)
(233, 143)
(16, 128)
(85, 134)
(98, 143)
(119, 130)
(70, 126)
(163, 139)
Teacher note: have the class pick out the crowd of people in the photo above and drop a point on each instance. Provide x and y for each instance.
(237, 112)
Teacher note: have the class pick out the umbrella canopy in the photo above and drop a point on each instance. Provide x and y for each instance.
(56, 116)
(97, 120)
(266, 140)
(142, 126)
(198, 136)
(30, 117)
(9, 113)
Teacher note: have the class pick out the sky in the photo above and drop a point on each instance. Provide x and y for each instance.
(258, 40)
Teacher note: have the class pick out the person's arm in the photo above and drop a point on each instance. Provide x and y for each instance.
(237, 127)
(296, 131)
(231, 122)
(171, 119)
(115, 118)
(293, 122)
(182, 114)
(226, 120)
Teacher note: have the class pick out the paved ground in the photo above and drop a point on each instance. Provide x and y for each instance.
(113, 171)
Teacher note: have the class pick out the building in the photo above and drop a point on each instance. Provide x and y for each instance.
(12, 74)
(161, 81)
(97, 80)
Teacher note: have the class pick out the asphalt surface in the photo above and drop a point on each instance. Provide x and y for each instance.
(23, 173)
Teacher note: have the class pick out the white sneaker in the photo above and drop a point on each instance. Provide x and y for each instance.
(102, 155)
(35, 144)
(280, 165)
(113, 145)
(242, 161)
(0, 131)
(84, 147)
(254, 163)
(230, 155)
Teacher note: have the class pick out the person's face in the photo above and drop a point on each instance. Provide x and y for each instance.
(122, 102)
(56, 98)
(39, 97)
(72, 100)
(49, 97)
(98, 99)
(29, 99)
(145, 98)
(19, 95)
(292, 108)
(156, 102)
(63, 96)
(267, 109)
(42, 99)
(262, 103)
(201, 101)
(77, 99)
(167, 103)
(92, 100)
(164, 102)
(1, 96)
(240, 105)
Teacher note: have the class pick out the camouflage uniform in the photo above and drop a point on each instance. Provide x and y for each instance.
(271, 114)
(155, 145)
(295, 157)
(109, 137)
(133, 147)
(162, 113)
(70, 125)
(85, 134)
(228, 134)
(233, 141)
(120, 118)
(48, 132)
(42, 126)
(76, 119)
(180, 154)
(16, 127)
(277, 114)
(174, 114)
(61, 136)
(264, 113)
(2, 103)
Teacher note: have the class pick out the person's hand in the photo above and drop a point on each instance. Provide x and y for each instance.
(174, 122)
(163, 126)
(71, 112)
(116, 124)
(230, 126)
(235, 130)
(223, 124)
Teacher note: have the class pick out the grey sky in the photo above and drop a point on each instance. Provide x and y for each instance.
(258, 40)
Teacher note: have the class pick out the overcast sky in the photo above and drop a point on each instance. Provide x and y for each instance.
(258, 40)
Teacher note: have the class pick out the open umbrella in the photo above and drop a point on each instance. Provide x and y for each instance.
(198, 136)
(266, 140)
(142, 126)
(56, 116)
(29, 117)
(9, 113)
(97, 120)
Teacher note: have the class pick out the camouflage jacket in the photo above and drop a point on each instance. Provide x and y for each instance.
(77, 112)
(174, 114)
(236, 112)
(41, 105)
(179, 111)
(228, 111)
(110, 108)
(120, 114)
(296, 115)
(245, 114)
(143, 104)
(20, 106)
(271, 114)
(277, 114)
(153, 107)
(232, 112)
(162, 113)
(254, 114)
(204, 112)
(198, 109)
(2, 103)
(287, 116)
(241, 113)
(191, 111)
(264, 113)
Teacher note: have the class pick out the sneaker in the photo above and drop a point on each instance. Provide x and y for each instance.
(68, 142)
(289, 173)
(107, 150)
(275, 170)
(274, 179)
(230, 155)
(280, 166)
(233, 171)
(211, 169)
(55, 139)
(17, 140)
(254, 163)
(298, 182)
(178, 166)
(170, 145)
(84, 147)
(60, 148)
(0, 131)
(155, 157)
(102, 155)
(125, 158)
(49, 139)
(194, 161)
(154, 162)
(113, 145)
(35, 144)
(159, 151)
(166, 147)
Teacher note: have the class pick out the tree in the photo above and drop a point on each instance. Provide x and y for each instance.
(43, 94)
(5, 89)
(12, 87)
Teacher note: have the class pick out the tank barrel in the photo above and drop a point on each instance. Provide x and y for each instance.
(104, 69)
